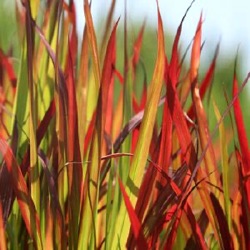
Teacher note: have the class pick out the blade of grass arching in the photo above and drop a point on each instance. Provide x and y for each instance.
(3, 244)
(89, 214)
(25, 202)
(224, 229)
(225, 167)
(203, 129)
(135, 223)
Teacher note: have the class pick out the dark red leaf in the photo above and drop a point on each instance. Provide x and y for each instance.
(224, 230)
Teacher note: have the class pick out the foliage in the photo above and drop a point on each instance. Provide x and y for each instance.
(91, 160)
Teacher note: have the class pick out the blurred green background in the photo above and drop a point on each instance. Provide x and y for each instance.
(10, 44)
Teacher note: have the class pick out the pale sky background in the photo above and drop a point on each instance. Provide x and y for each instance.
(227, 21)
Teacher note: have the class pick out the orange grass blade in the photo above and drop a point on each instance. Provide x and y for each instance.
(206, 82)
(196, 52)
(54, 209)
(225, 167)
(25, 202)
(166, 135)
(92, 41)
(200, 112)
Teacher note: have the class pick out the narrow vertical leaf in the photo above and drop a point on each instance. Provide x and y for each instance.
(25, 202)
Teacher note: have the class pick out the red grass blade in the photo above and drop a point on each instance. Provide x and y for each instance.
(173, 66)
(241, 128)
(41, 130)
(106, 79)
(25, 202)
(137, 46)
(197, 233)
(9, 69)
(166, 134)
(172, 236)
(135, 223)
(3, 245)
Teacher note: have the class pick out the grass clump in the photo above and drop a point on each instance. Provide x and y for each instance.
(89, 160)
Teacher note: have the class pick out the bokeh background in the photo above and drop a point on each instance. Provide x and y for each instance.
(225, 22)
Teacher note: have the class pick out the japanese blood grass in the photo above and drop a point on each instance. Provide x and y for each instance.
(83, 169)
